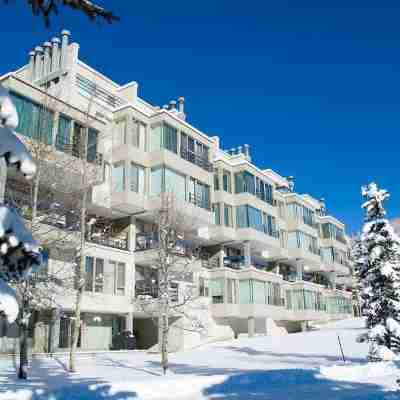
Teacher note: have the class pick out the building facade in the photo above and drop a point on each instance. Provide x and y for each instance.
(270, 261)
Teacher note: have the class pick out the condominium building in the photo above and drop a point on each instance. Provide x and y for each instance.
(271, 259)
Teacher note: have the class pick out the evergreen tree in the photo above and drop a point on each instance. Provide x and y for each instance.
(378, 268)
(358, 255)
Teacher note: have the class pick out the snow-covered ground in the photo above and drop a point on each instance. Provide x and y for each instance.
(305, 366)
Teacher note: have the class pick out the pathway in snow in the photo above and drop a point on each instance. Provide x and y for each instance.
(298, 366)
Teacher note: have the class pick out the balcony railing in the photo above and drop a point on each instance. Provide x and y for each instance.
(69, 148)
(116, 243)
(149, 289)
(270, 232)
(197, 159)
(234, 262)
(149, 241)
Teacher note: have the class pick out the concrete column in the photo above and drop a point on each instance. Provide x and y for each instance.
(299, 270)
(221, 256)
(55, 54)
(47, 60)
(277, 268)
(32, 66)
(251, 326)
(147, 183)
(129, 322)
(64, 48)
(247, 254)
(132, 234)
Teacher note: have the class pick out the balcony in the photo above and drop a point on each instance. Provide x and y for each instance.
(197, 159)
(115, 243)
(199, 201)
(151, 290)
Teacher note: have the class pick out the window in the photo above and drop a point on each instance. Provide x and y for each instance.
(92, 145)
(217, 290)
(301, 213)
(34, 120)
(301, 240)
(199, 193)
(94, 274)
(203, 287)
(226, 179)
(77, 138)
(269, 223)
(216, 209)
(283, 238)
(245, 182)
(99, 276)
(232, 291)
(119, 278)
(216, 181)
(136, 183)
(138, 134)
(330, 231)
(164, 136)
(228, 215)
(194, 151)
(118, 177)
(63, 133)
(119, 137)
(174, 183)
(249, 217)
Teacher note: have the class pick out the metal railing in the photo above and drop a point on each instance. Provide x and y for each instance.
(116, 243)
(197, 159)
(144, 288)
(70, 149)
(147, 241)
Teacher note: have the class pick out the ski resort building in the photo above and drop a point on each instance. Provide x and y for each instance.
(270, 261)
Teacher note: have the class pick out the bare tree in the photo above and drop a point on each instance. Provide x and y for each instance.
(174, 263)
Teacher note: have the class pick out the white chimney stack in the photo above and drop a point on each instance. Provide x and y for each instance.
(64, 47)
(32, 66)
(55, 54)
(172, 105)
(46, 60)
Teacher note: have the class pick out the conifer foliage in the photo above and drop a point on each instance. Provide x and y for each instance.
(378, 269)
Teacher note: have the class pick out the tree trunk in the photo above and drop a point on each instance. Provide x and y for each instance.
(80, 276)
(164, 343)
(80, 279)
(23, 342)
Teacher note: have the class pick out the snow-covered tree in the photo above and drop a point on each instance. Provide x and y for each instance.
(19, 252)
(357, 255)
(378, 268)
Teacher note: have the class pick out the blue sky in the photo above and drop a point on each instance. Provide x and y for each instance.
(314, 89)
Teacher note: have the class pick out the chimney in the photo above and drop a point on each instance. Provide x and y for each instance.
(247, 151)
(64, 48)
(55, 54)
(38, 62)
(172, 105)
(232, 151)
(239, 150)
(290, 180)
(181, 105)
(46, 60)
(32, 66)
(165, 107)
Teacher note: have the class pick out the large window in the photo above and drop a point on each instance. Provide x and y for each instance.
(245, 182)
(217, 290)
(194, 151)
(63, 137)
(34, 120)
(118, 177)
(166, 180)
(269, 225)
(138, 134)
(249, 217)
(216, 209)
(330, 231)
(92, 145)
(94, 277)
(301, 213)
(228, 219)
(227, 181)
(301, 240)
(164, 136)
(136, 183)
(199, 193)
(331, 255)
(119, 279)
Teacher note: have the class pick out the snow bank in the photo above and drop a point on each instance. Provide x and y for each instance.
(374, 371)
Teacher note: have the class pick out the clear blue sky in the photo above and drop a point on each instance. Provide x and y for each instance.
(314, 89)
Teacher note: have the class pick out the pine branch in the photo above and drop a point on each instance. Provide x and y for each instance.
(48, 8)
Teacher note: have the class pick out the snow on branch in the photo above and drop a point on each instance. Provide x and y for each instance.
(375, 197)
